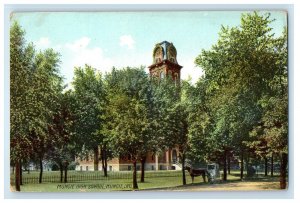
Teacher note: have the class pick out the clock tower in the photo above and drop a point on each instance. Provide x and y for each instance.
(165, 62)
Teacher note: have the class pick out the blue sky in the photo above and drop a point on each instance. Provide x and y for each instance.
(107, 39)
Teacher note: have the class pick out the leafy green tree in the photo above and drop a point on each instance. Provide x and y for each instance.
(171, 117)
(89, 97)
(21, 62)
(45, 89)
(178, 117)
(240, 69)
(129, 130)
(273, 128)
(35, 87)
(199, 120)
(61, 153)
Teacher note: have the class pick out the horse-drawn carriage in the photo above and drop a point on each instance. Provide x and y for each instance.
(211, 171)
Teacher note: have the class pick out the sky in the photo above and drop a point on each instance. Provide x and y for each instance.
(121, 39)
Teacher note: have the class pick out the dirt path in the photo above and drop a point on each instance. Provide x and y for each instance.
(231, 186)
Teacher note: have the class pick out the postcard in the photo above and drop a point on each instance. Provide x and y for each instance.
(148, 101)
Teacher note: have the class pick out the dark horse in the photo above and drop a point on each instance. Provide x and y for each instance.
(196, 172)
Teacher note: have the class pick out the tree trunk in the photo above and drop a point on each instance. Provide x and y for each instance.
(61, 172)
(266, 166)
(104, 160)
(66, 172)
(21, 174)
(272, 165)
(228, 163)
(143, 160)
(41, 170)
(247, 162)
(225, 166)
(134, 177)
(96, 158)
(105, 163)
(17, 176)
(183, 169)
(283, 170)
(242, 165)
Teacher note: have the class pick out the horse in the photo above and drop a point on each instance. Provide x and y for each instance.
(196, 172)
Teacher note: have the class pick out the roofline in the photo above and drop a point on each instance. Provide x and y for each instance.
(163, 62)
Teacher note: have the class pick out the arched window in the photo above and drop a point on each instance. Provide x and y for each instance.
(176, 78)
(162, 74)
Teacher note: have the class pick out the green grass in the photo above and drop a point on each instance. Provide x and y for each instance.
(115, 181)
(78, 176)
(119, 181)
(106, 185)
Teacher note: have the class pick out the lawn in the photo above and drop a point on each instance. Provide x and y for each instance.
(157, 180)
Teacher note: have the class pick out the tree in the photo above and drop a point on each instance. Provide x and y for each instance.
(171, 117)
(241, 69)
(45, 89)
(35, 85)
(20, 71)
(199, 120)
(89, 97)
(129, 130)
(61, 153)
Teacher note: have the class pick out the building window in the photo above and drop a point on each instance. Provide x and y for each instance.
(162, 74)
(87, 168)
(176, 76)
(152, 167)
(110, 168)
(129, 168)
(80, 168)
(153, 157)
(174, 156)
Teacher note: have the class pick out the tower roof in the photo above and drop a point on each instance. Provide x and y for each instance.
(165, 45)
(165, 60)
(165, 51)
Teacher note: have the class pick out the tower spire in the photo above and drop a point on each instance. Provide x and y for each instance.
(165, 61)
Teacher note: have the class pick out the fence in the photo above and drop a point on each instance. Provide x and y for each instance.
(80, 176)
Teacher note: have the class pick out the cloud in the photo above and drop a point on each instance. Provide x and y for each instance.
(127, 40)
(79, 45)
(42, 43)
(79, 54)
(45, 43)
(190, 70)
